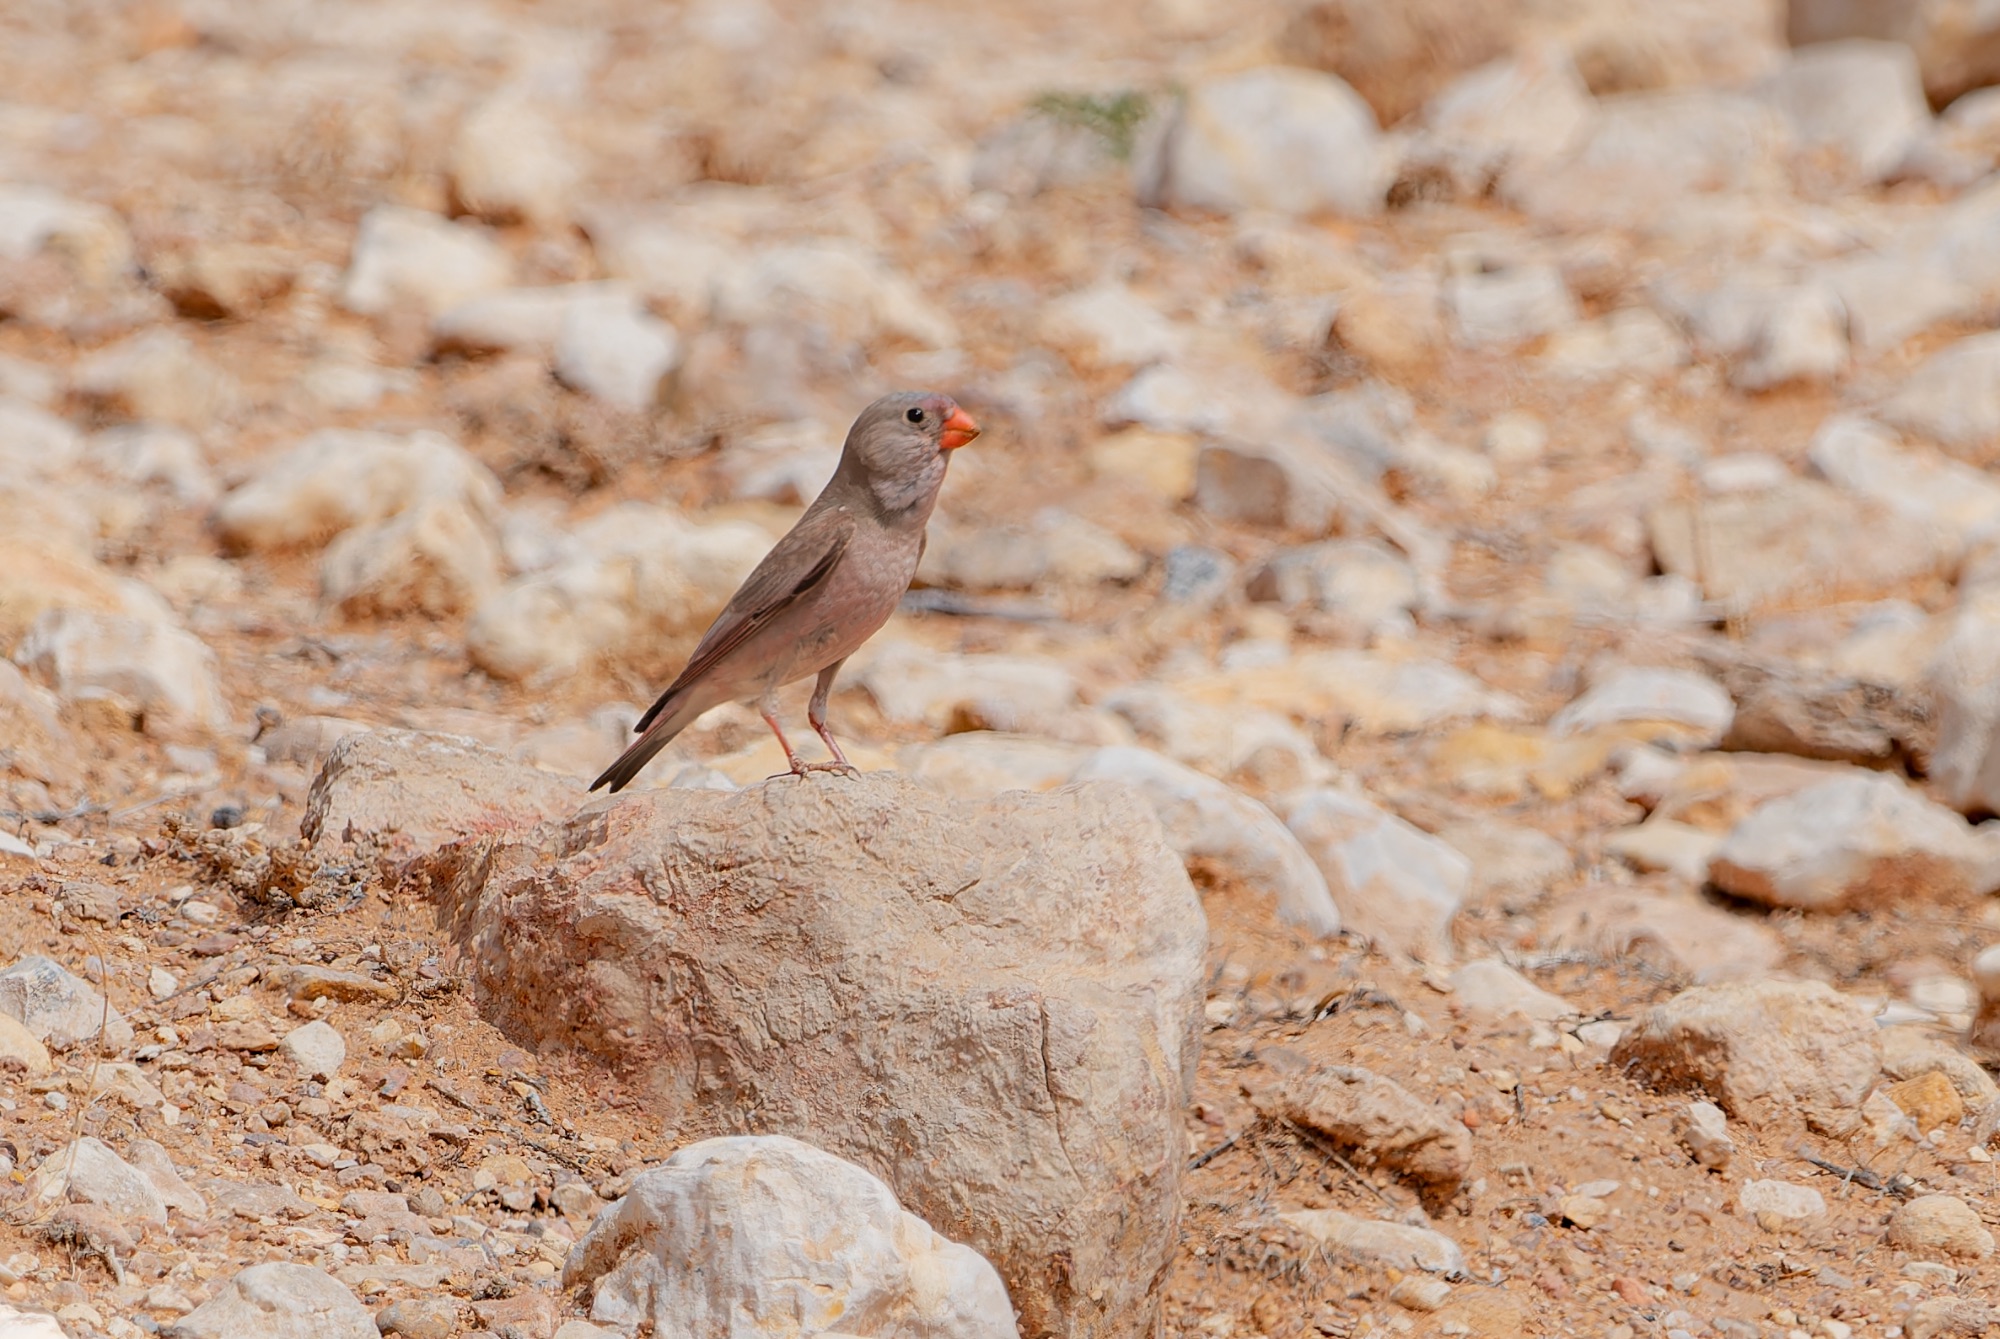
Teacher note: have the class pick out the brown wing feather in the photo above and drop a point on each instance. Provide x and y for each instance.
(801, 560)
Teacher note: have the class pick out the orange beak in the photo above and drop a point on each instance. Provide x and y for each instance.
(958, 430)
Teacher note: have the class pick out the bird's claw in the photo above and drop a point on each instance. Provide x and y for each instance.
(841, 768)
(800, 767)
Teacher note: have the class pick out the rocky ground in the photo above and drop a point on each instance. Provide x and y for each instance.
(1499, 492)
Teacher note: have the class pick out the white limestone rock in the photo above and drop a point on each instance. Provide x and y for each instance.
(1205, 818)
(1392, 881)
(407, 258)
(1860, 839)
(729, 1231)
(511, 162)
(278, 1301)
(1862, 101)
(1276, 138)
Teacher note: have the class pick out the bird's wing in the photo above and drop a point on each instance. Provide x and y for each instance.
(801, 561)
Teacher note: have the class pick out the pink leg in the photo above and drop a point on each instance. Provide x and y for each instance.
(816, 713)
(769, 711)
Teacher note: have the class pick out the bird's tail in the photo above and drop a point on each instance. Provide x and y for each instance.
(660, 728)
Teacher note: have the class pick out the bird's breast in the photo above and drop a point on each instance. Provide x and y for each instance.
(860, 594)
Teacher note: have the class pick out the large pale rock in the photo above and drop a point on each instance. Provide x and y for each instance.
(1206, 819)
(91, 1172)
(426, 789)
(1685, 934)
(338, 479)
(1268, 483)
(1520, 112)
(1187, 396)
(609, 347)
(509, 162)
(1893, 293)
(1953, 396)
(1771, 327)
(912, 684)
(35, 444)
(59, 1007)
(1908, 1054)
(1629, 342)
(1490, 990)
(517, 320)
(1780, 1205)
(415, 519)
(278, 1301)
(1777, 544)
(992, 1005)
(1961, 147)
(1371, 1241)
(156, 1165)
(166, 672)
(317, 1048)
(437, 556)
(406, 258)
(1287, 140)
(1763, 1050)
(1376, 693)
(20, 1049)
(92, 237)
(1641, 694)
(1962, 682)
(1957, 42)
(1361, 581)
(1221, 741)
(637, 578)
(1934, 1226)
(1865, 839)
(1646, 155)
(1951, 498)
(731, 1233)
(1509, 857)
(1393, 882)
(1380, 1122)
(672, 260)
(1055, 546)
(1705, 1131)
(981, 763)
(1857, 709)
(853, 295)
(1861, 101)
(1938, 266)
(1108, 325)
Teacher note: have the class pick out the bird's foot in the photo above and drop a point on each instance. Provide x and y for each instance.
(800, 767)
(842, 767)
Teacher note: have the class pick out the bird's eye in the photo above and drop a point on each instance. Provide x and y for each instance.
(915, 416)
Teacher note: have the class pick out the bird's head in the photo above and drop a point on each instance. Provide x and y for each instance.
(901, 443)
